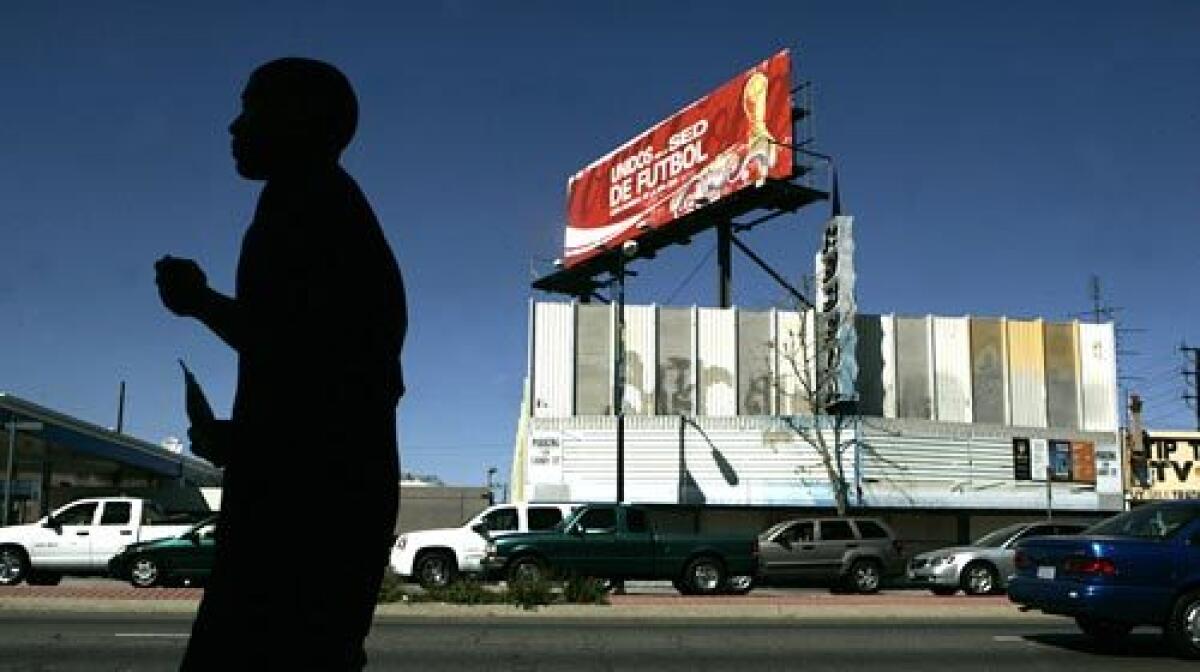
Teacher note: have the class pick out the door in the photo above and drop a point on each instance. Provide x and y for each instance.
(633, 552)
(194, 556)
(595, 551)
(114, 530)
(837, 539)
(791, 552)
(71, 545)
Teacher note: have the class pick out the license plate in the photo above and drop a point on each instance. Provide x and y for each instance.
(1045, 572)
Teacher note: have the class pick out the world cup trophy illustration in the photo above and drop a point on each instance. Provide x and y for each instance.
(760, 144)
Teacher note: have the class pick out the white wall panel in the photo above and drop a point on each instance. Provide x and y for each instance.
(1027, 373)
(553, 359)
(640, 359)
(1098, 374)
(952, 368)
(717, 340)
(793, 363)
(887, 324)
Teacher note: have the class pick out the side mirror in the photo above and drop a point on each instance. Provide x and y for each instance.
(52, 524)
(481, 530)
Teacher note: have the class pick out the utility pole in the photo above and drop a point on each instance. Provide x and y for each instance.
(1192, 378)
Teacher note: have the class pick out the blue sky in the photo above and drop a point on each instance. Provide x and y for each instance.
(995, 155)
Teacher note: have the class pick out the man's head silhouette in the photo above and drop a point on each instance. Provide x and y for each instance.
(296, 113)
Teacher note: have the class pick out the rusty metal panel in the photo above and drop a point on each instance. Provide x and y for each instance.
(553, 364)
(1062, 375)
(640, 360)
(952, 368)
(676, 388)
(914, 382)
(717, 360)
(989, 371)
(1027, 373)
(754, 359)
(593, 360)
(1098, 375)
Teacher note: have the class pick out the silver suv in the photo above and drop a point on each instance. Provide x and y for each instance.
(982, 567)
(853, 553)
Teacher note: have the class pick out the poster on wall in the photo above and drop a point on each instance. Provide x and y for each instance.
(545, 458)
(1039, 458)
(1083, 461)
(1021, 460)
(1060, 460)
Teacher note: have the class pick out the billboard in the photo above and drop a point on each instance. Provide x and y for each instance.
(1171, 470)
(733, 138)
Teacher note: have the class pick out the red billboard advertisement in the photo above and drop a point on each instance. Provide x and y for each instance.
(733, 138)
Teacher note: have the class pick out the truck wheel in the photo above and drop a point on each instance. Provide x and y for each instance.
(980, 578)
(1183, 627)
(37, 578)
(864, 576)
(704, 575)
(436, 569)
(739, 585)
(526, 569)
(144, 572)
(1103, 631)
(14, 565)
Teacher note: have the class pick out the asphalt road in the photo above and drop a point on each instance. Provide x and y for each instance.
(47, 642)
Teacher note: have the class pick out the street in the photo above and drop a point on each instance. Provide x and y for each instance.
(112, 641)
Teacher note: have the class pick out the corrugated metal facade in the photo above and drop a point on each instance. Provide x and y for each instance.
(714, 362)
(1027, 373)
(676, 361)
(717, 361)
(989, 371)
(640, 359)
(1098, 371)
(952, 368)
(1062, 375)
(553, 351)
(793, 361)
(755, 358)
(914, 379)
(593, 359)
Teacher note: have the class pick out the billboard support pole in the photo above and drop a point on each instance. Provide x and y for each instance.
(619, 373)
(724, 263)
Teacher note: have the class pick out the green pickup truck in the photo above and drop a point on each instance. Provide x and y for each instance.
(609, 541)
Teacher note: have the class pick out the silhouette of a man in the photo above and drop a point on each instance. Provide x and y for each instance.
(318, 321)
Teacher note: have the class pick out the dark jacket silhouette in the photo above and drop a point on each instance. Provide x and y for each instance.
(318, 320)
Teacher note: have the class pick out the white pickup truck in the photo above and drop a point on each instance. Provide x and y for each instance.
(436, 557)
(79, 538)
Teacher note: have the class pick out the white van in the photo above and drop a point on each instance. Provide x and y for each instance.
(435, 558)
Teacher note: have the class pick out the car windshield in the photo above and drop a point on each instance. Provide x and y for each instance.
(1151, 522)
(997, 538)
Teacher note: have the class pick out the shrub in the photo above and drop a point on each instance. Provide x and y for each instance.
(392, 588)
(585, 590)
(530, 593)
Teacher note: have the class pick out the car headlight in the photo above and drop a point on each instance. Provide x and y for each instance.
(490, 549)
(942, 560)
(122, 550)
(402, 542)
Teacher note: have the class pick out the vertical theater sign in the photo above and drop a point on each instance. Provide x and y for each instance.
(1166, 467)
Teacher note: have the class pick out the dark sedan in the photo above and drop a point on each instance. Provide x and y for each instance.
(186, 559)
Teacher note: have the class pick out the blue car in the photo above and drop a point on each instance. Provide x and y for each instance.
(1141, 567)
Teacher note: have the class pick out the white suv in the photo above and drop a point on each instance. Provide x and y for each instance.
(436, 557)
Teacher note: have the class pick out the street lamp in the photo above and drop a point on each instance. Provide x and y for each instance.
(13, 426)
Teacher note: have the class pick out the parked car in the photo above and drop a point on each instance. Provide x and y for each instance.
(983, 567)
(185, 558)
(617, 542)
(1141, 567)
(851, 553)
(436, 557)
(80, 538)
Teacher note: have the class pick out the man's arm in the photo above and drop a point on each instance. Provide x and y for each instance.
(221, 315)
(184, 290)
